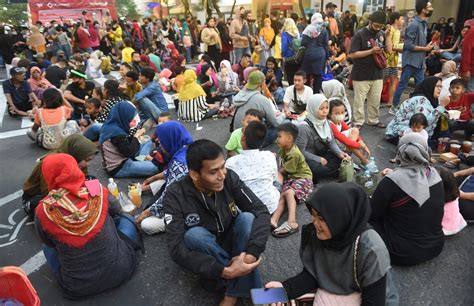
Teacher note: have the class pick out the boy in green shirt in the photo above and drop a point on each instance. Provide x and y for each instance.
(234, 146)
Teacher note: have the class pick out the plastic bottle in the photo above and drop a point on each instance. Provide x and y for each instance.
(113, 189)
(368, 181)
(135, 195)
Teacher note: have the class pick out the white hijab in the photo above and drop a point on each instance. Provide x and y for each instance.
(321, 125)
(333, 89)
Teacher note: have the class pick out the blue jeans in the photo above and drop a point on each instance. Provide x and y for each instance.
(135, 168)
(148, 109)
(239, 52)
(188, 55)
(67, 50)
(407, 72)
(199, 239)
(451, 56)
(270, 137)
(93, 131)
(52, 258)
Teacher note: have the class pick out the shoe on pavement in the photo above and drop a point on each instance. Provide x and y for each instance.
(392, 111)
(32, 134)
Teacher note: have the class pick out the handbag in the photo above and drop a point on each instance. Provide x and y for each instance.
(379, 59)
(323, 297)
(347, 171)
(327, 75)
(297, 58)
(298, 105)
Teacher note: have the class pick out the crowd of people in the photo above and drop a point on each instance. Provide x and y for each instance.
(282, 81)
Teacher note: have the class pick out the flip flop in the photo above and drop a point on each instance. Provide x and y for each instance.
(273, 226)
(285, 226)
(379, 125)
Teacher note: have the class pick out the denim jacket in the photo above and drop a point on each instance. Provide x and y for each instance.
(415, 35)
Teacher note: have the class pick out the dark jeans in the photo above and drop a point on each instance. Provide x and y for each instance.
(467, 126)
(317, 83)
(199, 239)
(270, 137)
(330, 170)
(407, 72)
(29, 203)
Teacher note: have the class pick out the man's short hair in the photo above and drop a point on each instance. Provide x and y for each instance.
(254, 113)
(394, 17)
(132, 74)
(420, 5)
(247, 55)
(148, 73)
(255, 134)
(300, 73)
(135, 52)
(289, 128)
(457, 82)
(201, 150)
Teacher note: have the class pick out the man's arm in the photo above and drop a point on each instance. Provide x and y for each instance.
(247, 201)
(142, 94)
(410, 37)
(70, 97)
(12, 106)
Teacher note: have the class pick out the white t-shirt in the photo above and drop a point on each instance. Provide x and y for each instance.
(258, 170)
(423, 133)
(301, 95)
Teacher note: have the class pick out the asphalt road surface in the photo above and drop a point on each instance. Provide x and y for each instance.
(446, 280)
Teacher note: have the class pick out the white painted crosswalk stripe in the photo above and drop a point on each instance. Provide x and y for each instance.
(11, 197)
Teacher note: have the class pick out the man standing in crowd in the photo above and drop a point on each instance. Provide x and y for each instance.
(467, 62)
(366, 75)
(333, 27)
(348, 23)
(414, 51)
(215, 226)
(239, 32)
(83, 39)
(18, 93)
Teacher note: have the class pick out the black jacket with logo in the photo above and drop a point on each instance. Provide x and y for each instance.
(189, 207)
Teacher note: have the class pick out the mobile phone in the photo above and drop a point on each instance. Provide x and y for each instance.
(268, 296)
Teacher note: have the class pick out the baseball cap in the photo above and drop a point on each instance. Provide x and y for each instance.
(17, 70)
(256, 79)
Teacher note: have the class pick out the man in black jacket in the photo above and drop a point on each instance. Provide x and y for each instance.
(215, 226)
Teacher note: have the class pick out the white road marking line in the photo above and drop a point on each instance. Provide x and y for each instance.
(8, 243)
(26, 122)
(34, 263)
(10, 217)
(6, 226)
(17, 229)
(11, 197)
(13, 133)
(3, 106)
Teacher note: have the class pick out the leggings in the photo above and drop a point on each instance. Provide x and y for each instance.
(330, 170)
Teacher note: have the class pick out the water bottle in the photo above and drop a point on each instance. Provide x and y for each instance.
(368, 181)
(113, 189)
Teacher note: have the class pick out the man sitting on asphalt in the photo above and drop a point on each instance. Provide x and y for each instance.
(77, 91)
(20, 98)
(216, 227)
(56, 73)
(151, 101)
(240, 67)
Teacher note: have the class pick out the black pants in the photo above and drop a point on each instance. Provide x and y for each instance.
(290, 71)
(317, 83)
(29, 203)
(214, 54)
(330, 170)
(467, 126)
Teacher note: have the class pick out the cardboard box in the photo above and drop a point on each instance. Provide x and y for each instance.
(449, 157)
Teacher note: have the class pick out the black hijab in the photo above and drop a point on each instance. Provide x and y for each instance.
(345, 208)
(203, 78)
(426, 88)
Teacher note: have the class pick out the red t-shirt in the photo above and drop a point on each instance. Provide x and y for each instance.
(465, 101)
(343, 138)
(84, 39)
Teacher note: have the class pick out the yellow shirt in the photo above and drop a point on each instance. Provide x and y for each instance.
(277, 54)
(392, 58)
(127, 55)
(131, 91)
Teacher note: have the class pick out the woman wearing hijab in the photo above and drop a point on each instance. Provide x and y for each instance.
(34, 189)
(208, 84)
(227, 79)
(266, 36)
(192, 100)
(146, 62)
(272, 71)
(315, 41)
(316, 141)
(290, 43)
(36, 41)
(80, 241)
(333, 89)
(343, 258)
(174, 139)
(447, 74)
(119, 150)
(37, 82)
(423, 100)
(408, 205)
(212, 40)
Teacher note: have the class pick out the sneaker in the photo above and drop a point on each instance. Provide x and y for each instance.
(32, 134)
(392, 110)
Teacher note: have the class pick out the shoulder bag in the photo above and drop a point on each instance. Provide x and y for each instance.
(379, 59)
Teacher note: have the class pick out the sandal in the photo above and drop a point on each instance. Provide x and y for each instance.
(273, 226)
(284, 230)
(379, 125)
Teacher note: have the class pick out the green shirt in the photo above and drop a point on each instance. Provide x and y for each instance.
(234, 143)
(295, 165)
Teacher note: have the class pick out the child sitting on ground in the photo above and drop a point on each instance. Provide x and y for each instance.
(277, 92)
(157, 156)
(234, 146)
(298, 183)
(418, 123)
(51, 125)
(452, 222)
(461, 101)
(93, 109)
(165, 82)
(348, 137)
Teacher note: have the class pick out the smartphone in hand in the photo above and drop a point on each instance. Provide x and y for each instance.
(268, 296)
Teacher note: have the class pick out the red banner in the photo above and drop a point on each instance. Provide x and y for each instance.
(67, 10)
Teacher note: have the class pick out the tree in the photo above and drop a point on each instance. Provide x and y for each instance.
(127, 8)
(233, 8)
(300, 2)
(13, 13)
(216, 7)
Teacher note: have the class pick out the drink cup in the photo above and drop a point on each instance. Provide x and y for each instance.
(455, 149)
(466, 147)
